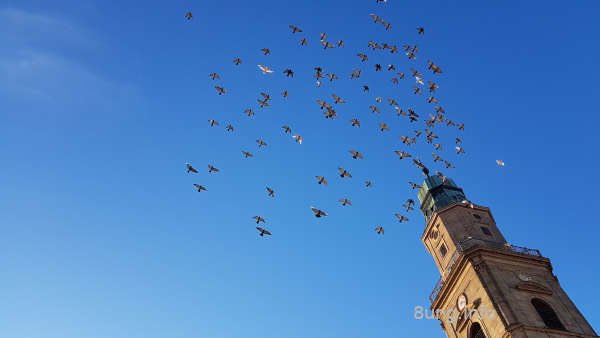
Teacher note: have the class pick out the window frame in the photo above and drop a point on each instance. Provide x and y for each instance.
(547, 314)
(486, 230)
(443, 248)
(479, 333)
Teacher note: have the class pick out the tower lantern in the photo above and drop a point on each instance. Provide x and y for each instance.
(437, 192)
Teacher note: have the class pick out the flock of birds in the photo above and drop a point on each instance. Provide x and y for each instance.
(437, 117)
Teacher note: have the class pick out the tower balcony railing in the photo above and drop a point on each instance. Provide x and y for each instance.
(436, 290)
(526, 251)
(471, 242)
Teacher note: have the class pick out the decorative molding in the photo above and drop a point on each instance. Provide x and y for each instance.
(462, 321)
(534, 287)
(525, 329)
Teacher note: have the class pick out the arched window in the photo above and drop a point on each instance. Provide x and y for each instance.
(547, 314)
(476, 331)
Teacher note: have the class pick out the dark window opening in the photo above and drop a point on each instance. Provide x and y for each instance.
(486, 231)
(443, 250)
(477, 216)
(547, 314)
(476, 331)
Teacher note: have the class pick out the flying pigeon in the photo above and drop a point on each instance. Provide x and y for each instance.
(344, 173)
(345, 201)
(321, 180)
(190, 169)
(318, 213)
(356, 154)
(401, 218)
(265, 69)
(295, 29)
(263, 232)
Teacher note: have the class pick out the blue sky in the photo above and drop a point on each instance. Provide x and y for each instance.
(101, 105)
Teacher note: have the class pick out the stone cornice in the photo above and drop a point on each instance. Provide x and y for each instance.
(479, 251)
(551, 332)
(534, 287)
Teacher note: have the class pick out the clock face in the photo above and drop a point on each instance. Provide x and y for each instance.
(461, 303)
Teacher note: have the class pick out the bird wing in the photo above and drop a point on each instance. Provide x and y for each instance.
(190, 168)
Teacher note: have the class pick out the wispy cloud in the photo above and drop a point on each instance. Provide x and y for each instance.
(26, 28)
(41, 65)
(50, 81)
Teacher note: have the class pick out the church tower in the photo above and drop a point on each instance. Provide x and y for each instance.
(488, 287)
